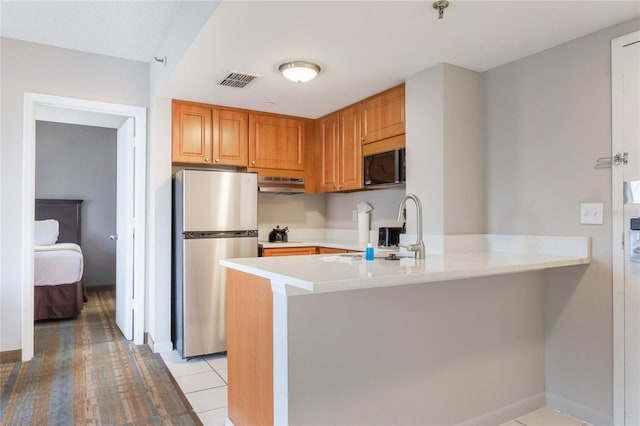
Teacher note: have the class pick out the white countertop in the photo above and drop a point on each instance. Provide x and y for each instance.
(328, 273)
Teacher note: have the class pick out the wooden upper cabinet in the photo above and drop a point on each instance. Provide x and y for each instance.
(340, 150)
(230, 137)
(383, 115)
(350, 148)
(328, 152)
(191, 133)
(276, 142)
(205, 134)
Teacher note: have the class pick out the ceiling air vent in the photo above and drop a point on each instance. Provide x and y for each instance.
(238, 79)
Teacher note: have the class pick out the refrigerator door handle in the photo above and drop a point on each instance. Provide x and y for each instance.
(192, 235)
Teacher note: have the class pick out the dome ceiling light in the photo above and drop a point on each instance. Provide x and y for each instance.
(299, 71)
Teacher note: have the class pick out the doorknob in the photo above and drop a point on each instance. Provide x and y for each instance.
(113, 237)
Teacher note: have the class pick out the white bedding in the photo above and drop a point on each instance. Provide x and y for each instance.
(57, 264)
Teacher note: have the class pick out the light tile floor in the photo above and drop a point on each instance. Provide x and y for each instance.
(203, 380)
(545, 416)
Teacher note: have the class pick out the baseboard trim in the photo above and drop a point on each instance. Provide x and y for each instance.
(9, 357)
(577, 410)
(94, 288)
(160, 347)
(509, 412)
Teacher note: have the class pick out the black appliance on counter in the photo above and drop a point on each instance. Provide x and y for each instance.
(279, 235)
(389, 236)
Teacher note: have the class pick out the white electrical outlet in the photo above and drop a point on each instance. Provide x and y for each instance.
(354, 215)
(591, 213)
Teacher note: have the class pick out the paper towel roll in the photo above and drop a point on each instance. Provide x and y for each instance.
(363, 227)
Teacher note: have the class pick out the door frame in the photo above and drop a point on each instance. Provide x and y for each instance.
(139, 114)
(617, 229)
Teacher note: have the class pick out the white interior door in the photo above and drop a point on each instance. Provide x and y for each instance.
(626, 277)
(125, 191)
(631, 173)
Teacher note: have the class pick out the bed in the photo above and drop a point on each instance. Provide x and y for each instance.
(58, 262)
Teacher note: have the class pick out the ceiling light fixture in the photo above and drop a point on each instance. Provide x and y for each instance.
(440, 5)
(299, 71)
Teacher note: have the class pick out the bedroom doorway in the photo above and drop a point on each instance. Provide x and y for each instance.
(131, 124)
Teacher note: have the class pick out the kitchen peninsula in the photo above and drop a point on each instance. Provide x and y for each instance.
(456, 337)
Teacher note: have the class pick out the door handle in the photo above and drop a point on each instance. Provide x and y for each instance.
(113, 237)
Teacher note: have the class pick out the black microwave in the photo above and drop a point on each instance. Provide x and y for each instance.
(384, 168)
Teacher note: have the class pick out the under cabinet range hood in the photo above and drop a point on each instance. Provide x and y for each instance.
(281, 185)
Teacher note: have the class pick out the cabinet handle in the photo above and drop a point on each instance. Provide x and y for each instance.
(206, 159)
(253, 161)
(217, 160)
(361, 138)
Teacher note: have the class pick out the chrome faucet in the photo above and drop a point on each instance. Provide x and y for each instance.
(418, 246)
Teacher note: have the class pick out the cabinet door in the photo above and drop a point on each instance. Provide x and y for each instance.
(383, 115)
(230, 137)
(289, 251)
(191, 133)
(328, 155)
(276, 142)
(350, 148)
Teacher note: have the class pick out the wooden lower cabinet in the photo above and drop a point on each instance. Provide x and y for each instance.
(288, 251)
(330, 250)
(249, 349)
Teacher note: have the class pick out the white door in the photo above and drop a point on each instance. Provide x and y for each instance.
(626, 144)
(125, 191)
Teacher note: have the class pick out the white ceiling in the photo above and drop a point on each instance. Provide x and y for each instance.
(125, 29)
(363, 47)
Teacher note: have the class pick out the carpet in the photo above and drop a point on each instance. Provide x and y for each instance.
(85, 372)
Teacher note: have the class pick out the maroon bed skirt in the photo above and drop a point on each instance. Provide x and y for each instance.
(59, 301)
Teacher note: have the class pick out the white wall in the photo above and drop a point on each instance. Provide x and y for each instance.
(425, 354)
(424, 97)
(548, 120)
(30, 67)
(385, 203)
(186, 25)
(79, 162)
(464, 150)
(445, 149)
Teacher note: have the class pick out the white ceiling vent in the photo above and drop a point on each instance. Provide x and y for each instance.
(238, 79)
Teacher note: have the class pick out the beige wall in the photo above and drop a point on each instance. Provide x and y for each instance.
(331, 210)
(295, 211)
(29, 67)
(548, 120)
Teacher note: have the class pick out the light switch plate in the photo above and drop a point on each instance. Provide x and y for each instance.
(591, 213)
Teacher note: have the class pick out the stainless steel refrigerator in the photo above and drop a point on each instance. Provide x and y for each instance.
(215, 216)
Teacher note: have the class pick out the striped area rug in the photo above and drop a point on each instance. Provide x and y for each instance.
(85, 373)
